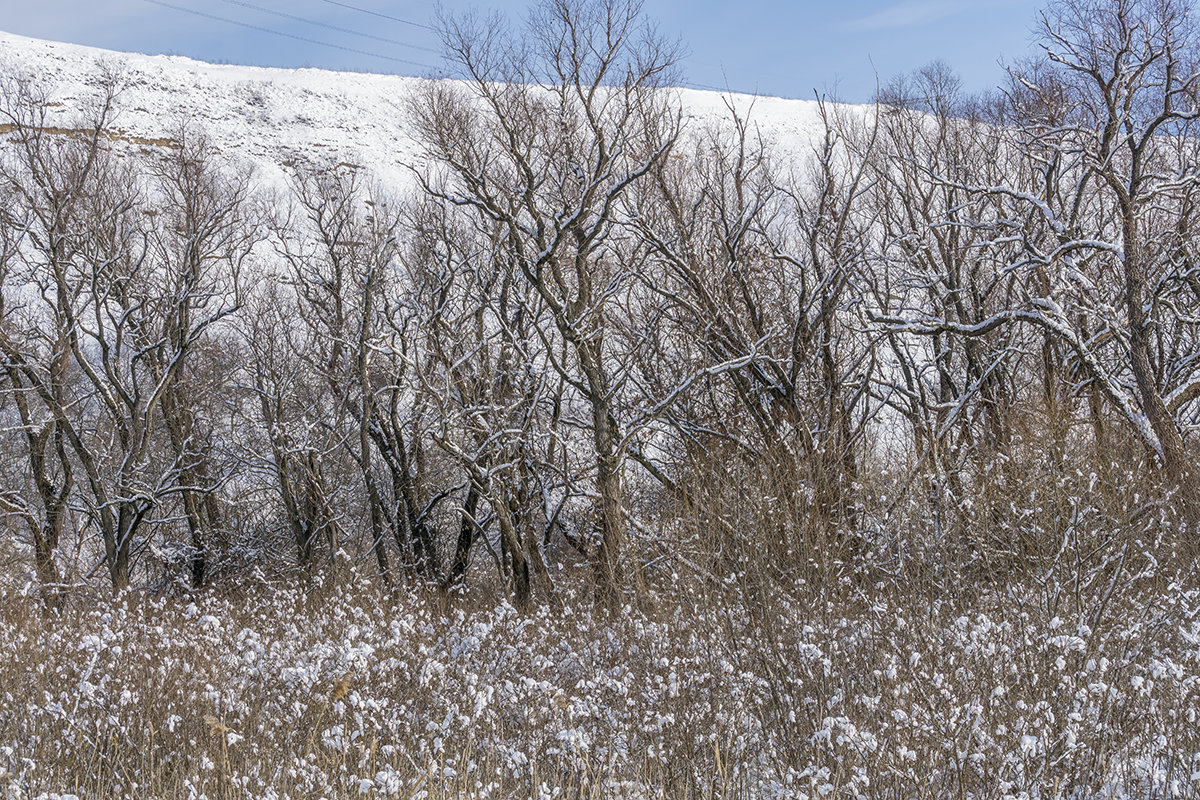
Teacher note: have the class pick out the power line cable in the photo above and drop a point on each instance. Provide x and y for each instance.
(381, 15)
(331, 27)
(705, 87)
(290, 35)
(260, 28)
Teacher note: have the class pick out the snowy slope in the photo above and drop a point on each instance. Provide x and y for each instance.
(266, 117)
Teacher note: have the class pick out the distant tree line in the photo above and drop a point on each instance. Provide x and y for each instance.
(951, 333)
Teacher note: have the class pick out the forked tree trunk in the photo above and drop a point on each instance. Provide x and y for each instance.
(1173, 454)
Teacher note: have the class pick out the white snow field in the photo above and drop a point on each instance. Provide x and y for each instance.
(267, 117)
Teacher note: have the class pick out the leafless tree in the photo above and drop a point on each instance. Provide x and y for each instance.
(543, 139)
(290, 401)
(205, 230)
(122, 267)
(485, 373)
(1105, 121)
(755, 268)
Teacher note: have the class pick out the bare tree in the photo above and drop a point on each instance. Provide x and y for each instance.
(205, 230)
(1105, 122)
(956, 393)
(291, 401)
(543, 139)
(484, 371)
(126, 265)
(755, 268)
(78, 206)
(46, 454)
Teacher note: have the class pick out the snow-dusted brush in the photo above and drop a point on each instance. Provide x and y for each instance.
(873, 693)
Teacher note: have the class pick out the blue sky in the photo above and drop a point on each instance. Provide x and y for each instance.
(772, 47)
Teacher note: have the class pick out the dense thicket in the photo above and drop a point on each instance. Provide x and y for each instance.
(951, 338)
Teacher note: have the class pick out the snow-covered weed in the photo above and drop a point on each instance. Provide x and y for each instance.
(282, 695)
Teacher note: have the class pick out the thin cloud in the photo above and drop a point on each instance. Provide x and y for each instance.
(906, 15)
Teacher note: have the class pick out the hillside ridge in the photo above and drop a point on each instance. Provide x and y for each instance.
(266, 117)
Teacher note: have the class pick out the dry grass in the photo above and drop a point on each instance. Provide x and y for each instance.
(1032, 689)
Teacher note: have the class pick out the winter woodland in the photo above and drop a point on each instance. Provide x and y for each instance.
(604, 449)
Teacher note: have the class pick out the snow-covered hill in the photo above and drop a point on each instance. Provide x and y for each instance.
(267, 117)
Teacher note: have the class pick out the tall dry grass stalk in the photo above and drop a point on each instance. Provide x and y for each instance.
(1038, 687)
